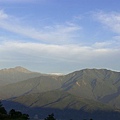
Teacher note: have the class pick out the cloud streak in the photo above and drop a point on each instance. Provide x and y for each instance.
(69, 53)
(110, 20)
(52, 34)
(3, 15)
(45, 55)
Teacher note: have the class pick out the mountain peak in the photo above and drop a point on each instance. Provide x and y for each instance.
(21, 69)
(18, 68)
(88, 70)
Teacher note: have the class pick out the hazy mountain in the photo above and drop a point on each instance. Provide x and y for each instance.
(88, 89)
(33, 85)
(16, 74)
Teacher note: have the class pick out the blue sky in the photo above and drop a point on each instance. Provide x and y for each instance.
(60, 36)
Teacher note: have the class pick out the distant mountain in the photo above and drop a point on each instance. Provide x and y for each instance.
(16, 69)
(88, 89)
(32, 85)
(13, 75)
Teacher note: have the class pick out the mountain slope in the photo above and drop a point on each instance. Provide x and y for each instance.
(16, 74)
(61, 114)
(98, 85)
(60, 100)
(92, 83)
(33, 85)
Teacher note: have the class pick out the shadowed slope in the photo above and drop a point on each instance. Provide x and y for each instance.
(60, 100)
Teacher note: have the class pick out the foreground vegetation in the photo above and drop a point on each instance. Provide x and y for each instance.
(12, 115)
(17, 115)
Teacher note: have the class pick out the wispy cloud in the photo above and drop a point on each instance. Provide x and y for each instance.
(112, 44)
(110, 20)
(69, 53)
(3, 15)
(58, 33)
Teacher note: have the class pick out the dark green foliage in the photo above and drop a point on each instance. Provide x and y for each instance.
(2, 109)
(0, 104)
(3, 112)
(13, 115)
(25, 117)
(50, 117)
(18, 115)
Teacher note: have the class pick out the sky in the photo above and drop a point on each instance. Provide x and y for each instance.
(60, 36)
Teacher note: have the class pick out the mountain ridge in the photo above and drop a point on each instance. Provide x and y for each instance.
(13, 75)
(17, 68)
(98, 87)
(23, 69)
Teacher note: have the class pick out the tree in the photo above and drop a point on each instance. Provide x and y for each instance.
(18, 115)
(13, 115)
(3, 112)
(25, 117)
(2, 109)
(50, 117)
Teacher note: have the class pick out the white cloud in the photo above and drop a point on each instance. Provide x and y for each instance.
(59, 33)
(53, 57)
(112, 44)
(61, 52)
(3, 15)
(111, 20)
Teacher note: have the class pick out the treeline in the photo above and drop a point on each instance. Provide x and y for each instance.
(17, 115)
(12, 114)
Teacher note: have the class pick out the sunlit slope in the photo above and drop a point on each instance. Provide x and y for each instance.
(92, 83)
(13, 75)
(60, 100)
(33, 85)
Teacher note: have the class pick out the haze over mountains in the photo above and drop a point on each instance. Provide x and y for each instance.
(88, 89)
(16, 74)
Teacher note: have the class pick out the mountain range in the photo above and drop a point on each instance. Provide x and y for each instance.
(89, 90)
